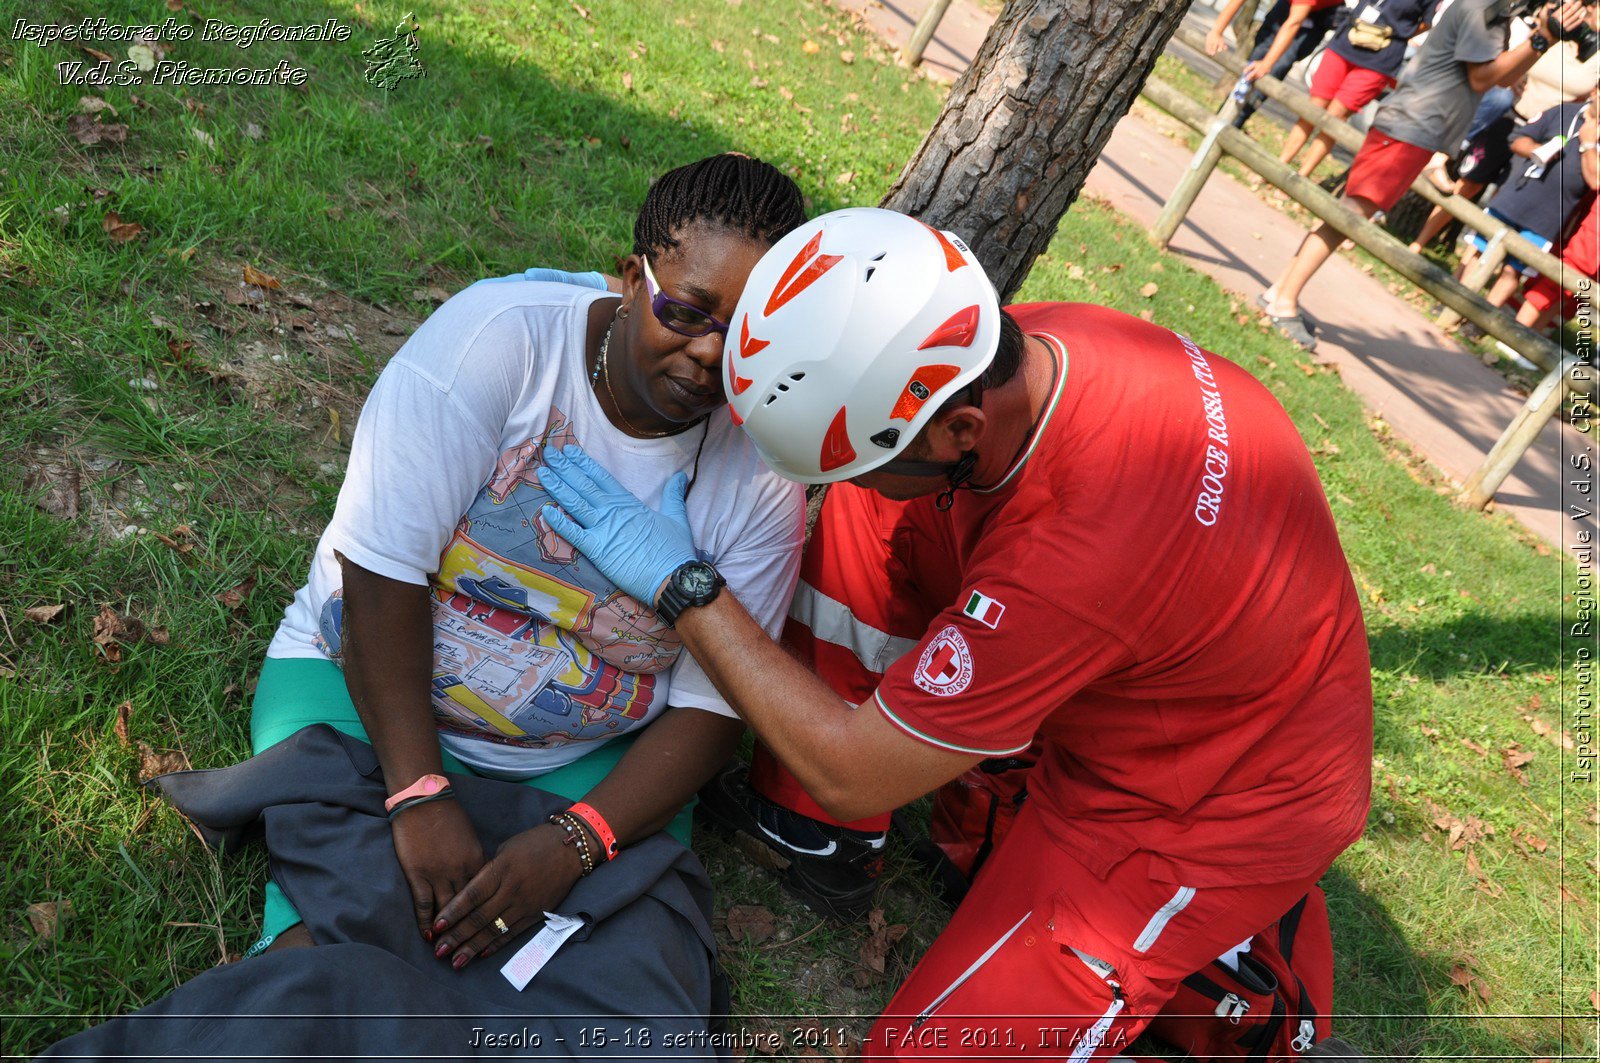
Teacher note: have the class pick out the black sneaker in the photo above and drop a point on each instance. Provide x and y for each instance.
(832, 870)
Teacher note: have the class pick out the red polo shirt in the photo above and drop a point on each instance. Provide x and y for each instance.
(1157, 593)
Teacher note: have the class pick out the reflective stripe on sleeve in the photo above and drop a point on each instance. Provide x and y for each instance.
(832, 621)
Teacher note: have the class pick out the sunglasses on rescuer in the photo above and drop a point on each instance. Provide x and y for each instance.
(680, 317)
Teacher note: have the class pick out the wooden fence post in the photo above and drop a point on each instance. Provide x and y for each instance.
(922, 33)
(1543, 404)
(1194, 178)
(1480, 274)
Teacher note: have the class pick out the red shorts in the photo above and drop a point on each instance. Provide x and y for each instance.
(1384, 169)
(1337, 78)
(1045, 960)
(1581, 252)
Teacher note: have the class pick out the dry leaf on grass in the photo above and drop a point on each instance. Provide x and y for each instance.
(810, 47)
(152, 763)
(45, 917)
(120, 231)
(1515, 760)
(751, 923)
(880, 939)
(234, 597)
(124, 719)
(1462, 832)
(89, 132)
(1475, 747)
(113, 631)
(43, 614)
(1466, 979)
(1484, 883)
(258, 278)
(1149, 289)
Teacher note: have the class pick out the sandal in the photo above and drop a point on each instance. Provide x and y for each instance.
(1295, 329)
(1266, 305)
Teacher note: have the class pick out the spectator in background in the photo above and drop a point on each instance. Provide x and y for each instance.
(1465, 55)
(1288, 33)
(1554, 173)
(1361, 62)
(1484, 160)
(1542, 297)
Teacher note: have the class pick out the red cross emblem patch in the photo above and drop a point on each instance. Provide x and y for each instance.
(946, 664)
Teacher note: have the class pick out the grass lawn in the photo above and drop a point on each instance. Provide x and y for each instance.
(173, 441)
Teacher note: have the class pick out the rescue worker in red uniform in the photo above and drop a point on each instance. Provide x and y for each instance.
(1055, 528)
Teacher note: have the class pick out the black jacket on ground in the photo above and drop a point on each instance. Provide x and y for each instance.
(643, 968)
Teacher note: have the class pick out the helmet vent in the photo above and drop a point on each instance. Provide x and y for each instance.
(873, 268)
(797, 377)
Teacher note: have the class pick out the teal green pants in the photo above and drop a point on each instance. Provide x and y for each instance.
(298, 692)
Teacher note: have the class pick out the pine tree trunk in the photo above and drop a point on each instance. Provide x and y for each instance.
(1026, 122)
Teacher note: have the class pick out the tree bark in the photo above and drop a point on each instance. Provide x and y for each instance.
(1024, 125)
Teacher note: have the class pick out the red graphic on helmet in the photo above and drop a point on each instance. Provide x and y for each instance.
(957, 332)
(836, 448)
(739, 383)
(748, 346)
(801, 274)
(953, 259)
(923, 383)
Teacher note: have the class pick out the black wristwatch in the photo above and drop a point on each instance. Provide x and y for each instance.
(1539, 42)
(694, 583)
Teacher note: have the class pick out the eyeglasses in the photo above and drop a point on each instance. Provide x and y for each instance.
(680, 317)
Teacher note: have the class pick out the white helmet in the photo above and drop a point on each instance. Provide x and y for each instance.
(851, 331)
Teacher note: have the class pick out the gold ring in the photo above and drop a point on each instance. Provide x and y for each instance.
(500, 924)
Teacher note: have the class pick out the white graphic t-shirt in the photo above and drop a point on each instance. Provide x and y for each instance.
(536, 654)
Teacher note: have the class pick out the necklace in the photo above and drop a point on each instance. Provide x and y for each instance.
(603, 373)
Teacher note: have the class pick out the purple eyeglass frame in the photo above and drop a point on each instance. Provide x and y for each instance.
(659, 300)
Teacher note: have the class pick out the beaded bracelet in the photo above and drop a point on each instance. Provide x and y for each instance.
(575, 837)
(422, 799)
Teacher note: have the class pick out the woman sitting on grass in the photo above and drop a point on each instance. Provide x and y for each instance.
(473, 639)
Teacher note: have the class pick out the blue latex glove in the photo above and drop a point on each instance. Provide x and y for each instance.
(590, 279)
(636, 547)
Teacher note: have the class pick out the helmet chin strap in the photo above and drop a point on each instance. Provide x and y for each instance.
(956, 475)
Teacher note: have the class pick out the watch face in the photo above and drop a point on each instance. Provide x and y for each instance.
(697, 580)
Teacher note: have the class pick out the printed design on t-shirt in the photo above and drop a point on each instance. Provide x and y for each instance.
(1214, 471)
(532, 645)
(945, 667)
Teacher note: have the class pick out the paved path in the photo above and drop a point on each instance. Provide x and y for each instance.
(1438, 397)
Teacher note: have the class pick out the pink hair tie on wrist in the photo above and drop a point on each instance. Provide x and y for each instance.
(427, 786)
(598, 824)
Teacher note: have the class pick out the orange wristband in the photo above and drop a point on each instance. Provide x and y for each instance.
(598, 824)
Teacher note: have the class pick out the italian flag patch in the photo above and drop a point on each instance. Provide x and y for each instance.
(983, 609)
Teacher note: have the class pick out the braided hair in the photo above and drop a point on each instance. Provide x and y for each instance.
(731, 191)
